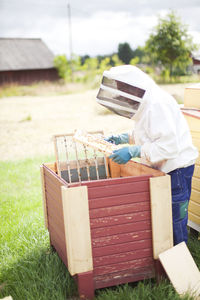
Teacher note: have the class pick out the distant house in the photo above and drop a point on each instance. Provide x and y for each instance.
(24, 60)
(196, 64)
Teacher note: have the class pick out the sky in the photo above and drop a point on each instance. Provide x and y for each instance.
(97, 26)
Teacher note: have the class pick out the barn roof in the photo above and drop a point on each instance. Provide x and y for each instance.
(24, 54)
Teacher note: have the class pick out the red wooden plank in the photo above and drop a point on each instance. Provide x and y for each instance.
(119, 189)
(121, 277)
(119, 248)
(124, 228)
(160, 271)
(48, 172)
(119, 210)
(58, 242)
(56, 228)
(60, 248)
(85, 285)
(111, 181)
(55, 217)
(54, 191)
(131, 264)
(121, 238)
(192, 113)
(52, 188)
(55, 203)
(121, 219)
(122, 257)
(119, 200)
(54, 197)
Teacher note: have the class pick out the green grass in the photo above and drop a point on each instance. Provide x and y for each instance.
(29, 268)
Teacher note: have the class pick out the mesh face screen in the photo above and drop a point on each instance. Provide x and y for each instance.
(124, 87)
(119, 104)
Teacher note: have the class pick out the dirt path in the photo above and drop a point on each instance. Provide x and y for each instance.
(27, 124)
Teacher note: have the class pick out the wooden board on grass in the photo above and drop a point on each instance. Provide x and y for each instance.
(181, 270)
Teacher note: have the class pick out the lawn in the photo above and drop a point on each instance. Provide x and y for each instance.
(29, 268)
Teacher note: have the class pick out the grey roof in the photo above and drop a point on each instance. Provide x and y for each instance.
(24, 54)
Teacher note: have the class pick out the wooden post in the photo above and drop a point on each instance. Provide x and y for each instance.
(85, 285)
(161, 214)
(160, 271)
(77, 229)
(44, 197)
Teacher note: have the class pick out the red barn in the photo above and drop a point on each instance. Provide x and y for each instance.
(25, 60)
(196, 64)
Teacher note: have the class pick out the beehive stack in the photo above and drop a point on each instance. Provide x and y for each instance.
(191, 111)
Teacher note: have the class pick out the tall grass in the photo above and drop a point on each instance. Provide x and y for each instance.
(29, 268)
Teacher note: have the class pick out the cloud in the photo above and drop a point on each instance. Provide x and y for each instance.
(97, 26)
(97, 35)
(102, 33)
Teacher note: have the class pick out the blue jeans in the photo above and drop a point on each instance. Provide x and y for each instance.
(181, 180)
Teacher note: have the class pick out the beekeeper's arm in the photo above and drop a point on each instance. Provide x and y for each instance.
(160, 127)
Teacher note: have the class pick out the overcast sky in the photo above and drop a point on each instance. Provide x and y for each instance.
(97, 26)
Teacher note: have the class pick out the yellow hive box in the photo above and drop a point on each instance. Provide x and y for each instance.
(192, 99)
(192, 96)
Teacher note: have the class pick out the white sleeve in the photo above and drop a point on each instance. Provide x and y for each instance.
(160, 127)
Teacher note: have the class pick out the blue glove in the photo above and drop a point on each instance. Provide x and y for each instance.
(123, 155)
(118, 139)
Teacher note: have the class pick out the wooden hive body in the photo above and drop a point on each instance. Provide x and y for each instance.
(191, 112)
(192, 96)
(194, 204)
(121, 241)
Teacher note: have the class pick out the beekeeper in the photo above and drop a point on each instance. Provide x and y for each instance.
(161, 136)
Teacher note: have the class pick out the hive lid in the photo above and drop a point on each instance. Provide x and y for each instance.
(193, 112)
(181, 269)
(194, 86)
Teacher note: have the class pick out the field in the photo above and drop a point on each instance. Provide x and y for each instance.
(28, 123)
(29, 269)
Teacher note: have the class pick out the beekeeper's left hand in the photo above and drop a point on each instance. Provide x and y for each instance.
(123, 155)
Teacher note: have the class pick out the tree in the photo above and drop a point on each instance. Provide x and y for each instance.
(115, 61)
(125, 52)
(170, 45)
(139, 52)
(83, 58)
(63, 66)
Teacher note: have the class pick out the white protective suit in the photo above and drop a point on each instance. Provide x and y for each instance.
(160, 127)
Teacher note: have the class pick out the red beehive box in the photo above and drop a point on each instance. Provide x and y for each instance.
(108, 231)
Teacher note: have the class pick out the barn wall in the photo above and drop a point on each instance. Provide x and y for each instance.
(28, 76)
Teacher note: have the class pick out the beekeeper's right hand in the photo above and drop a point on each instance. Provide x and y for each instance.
(118, 139)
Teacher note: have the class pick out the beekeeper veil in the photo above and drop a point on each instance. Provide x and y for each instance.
(122, 90)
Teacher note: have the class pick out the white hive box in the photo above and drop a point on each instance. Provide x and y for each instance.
(192, 96)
